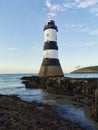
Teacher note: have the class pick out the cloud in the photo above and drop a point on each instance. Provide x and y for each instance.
(53, 8)
(94, 11)
(68, 5)
(51, 14)
(12, 49)
(78, 67)
(94, 32)
(90, 43)
(76, 27)
(86, 3)
(81, 28)
(63, 5)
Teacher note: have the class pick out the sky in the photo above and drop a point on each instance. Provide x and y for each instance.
(22, 36)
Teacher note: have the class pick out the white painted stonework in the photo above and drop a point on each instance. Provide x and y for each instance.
(50, 35)
(50, 53)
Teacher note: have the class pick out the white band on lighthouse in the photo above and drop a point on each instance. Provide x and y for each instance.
(50, 54)
(50, 35)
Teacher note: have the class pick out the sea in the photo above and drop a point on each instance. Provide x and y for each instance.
(11, 84)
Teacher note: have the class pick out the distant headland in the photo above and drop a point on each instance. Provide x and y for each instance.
(90, 69)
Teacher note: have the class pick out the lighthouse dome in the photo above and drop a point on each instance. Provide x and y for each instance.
(50, 25)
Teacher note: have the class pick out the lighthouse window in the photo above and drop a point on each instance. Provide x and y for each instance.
(47, 35)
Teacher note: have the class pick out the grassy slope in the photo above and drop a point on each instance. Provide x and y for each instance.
(91, 69)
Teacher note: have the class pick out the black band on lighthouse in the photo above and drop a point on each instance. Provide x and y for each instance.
(50, 62)
(50, 45)
(51, 24)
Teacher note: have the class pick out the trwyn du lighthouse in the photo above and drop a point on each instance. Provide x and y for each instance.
(50, 64)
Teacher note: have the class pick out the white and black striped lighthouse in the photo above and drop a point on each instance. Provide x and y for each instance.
(50, 64)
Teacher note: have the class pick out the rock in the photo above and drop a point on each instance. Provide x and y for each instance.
(84, 91)
(94, 108)
(16, 114)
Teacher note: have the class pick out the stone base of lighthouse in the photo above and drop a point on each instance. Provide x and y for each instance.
(50, 67)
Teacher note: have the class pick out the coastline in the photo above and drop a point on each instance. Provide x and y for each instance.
(18, 114)
(84, 91)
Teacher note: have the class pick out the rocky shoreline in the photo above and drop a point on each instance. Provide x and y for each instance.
(83, 91)
(16, 114)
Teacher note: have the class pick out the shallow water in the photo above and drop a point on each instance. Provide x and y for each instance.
(11, 84)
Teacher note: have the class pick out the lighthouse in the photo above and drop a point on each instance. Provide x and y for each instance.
(50, 65)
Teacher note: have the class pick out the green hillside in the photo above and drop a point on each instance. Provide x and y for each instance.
(91, 69)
